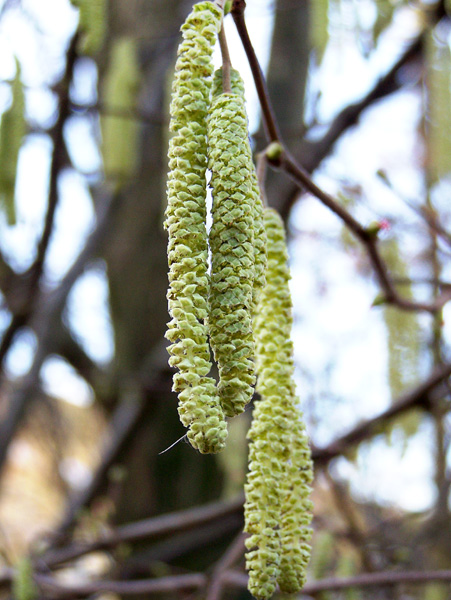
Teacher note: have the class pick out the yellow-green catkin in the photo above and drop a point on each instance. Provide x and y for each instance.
(12, 131)
(23, 587)
(92, 25)
(277, 508)
(237, 86)
(232, 251)
(199, 405)
(347, 567)
(120, 127)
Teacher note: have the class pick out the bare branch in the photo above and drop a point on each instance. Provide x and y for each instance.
(420, 396)
(47, 318)
(148, 529)
(285, 162)
(365, 580)
(22, 316)
(226, 62)
(233, 553)
(174, 583)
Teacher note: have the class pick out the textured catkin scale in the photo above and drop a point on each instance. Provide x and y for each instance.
(237, 86)
(260, 243)
(277, 508)
(92, 24)
(12, 131)
(236, 83)
(120, 133)
(232, 252)
(199, 405)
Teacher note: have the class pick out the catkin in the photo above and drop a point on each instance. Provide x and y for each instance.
(12, 131)
(232, 251)
(277, 508)
(120, 133)
(237, 86)
(23, 585)
(92, 24)
(199, 405)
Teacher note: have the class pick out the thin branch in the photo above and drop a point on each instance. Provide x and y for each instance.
(191, 518)
(349, 116)
(175, 583)
(420, 396)
(106, 110)
(177, 545)
(262, 163)
(285, 162)
(46, 320)
(21, 318)
(226, 62)
(233, 553)
(365, 580)
(147, 529)
(355, 533)
(314, 152)
(269, 119)
(124, 424)
(230, 578)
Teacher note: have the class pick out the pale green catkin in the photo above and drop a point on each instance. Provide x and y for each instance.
(236, 83)
(277, 508)
(232, 251)
(23, 586)
(199, 405)
(12, 131)
(120, 132)
(237, 86)
(92, 24)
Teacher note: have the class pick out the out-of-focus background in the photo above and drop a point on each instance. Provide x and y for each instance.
(361, 90)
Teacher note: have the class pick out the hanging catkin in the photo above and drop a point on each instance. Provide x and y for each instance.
(23, 585)
(92, 24)
(237, 86)
(199, 406)
(232, 251)
(277, 508)
(120, 132)
(12, 131)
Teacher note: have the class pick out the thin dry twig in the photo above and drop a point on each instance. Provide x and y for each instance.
(233, 553)
(192, 518)
(226, 62)
(420, 396)
(286, 163)
(22, 316)
(147, 529)
(173, 583)
(238, 579)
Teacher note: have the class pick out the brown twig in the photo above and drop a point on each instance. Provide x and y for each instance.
(123, 427)
(365, 580)
(47, 318)
(226, 62)
(355, 534)
(147, 529)
(285, 162)
(269, 119)
(420, 396)
(262, 163)
(191, 518)
(21, 318)
(173, 583)
(106, 110)
(232, 554)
